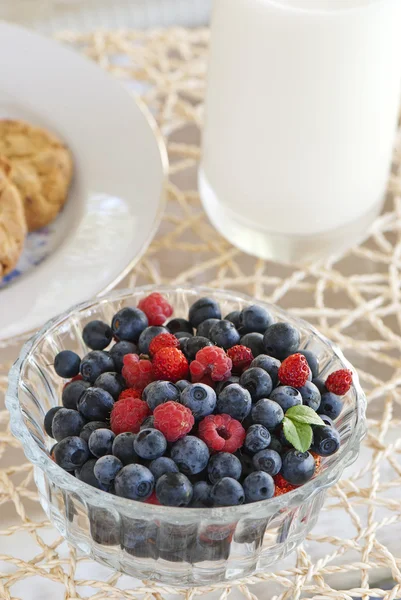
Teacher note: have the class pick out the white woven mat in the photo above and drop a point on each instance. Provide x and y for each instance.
(354, 300)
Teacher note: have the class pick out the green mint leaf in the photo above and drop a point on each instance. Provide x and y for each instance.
(304, 414)
(298, 434)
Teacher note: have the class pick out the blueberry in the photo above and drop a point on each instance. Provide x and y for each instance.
(139, 537)
(66, 423)
(66, 364)
(106, 469)
(254, 319)
(224, 334)
(235, 401)
(276, 445)
(227, 492)
(101, 442)
(112, 383)
(313, 362)
(257, 382)
(280, 340)
(190, 454)
(326, 440)
(48, 421)
(179, 326)
(88, 429)
(267, 413)
(246, 463)
(202, 309)
(183, 335)
(128, 324)
(330, 405)
(320, 384)
(233, 316)
(269, 364)
(104, 526)
(71, 453)
(149, 423)
(135, 482)
(72, 392)
(87, 475)
(205, 327)
(286, 397)
(199, 398)
(268, 461)
(159, 392)
(298, 467)
(147, 336)
(174, 489)
(193, 345)
(257, 438)
(119, 350)
(95, 363)
(254, 341)
(95, 404)
(201, 497)
(97, 335)
(310, 395)
(222, 384)
(223, 464)
(162, 465)
(327, 421)
(123, 448)
(150, 444)
(258, 486)
(182, 384)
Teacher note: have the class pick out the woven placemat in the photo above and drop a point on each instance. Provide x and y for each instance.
(354, 300)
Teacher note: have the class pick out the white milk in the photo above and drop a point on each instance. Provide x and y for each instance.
(301, 112)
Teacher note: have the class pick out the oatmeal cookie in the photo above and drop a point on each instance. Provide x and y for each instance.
(13, 227)
(41, 169)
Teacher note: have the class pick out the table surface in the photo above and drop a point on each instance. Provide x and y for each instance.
(353, 299)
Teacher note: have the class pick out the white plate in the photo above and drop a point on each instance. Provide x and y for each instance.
(116, 200)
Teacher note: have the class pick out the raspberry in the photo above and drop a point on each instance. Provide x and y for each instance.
(137, 373)
(163, 340)
(221, 433)
(282, 486)
(339, 382)
(153, 499)
(129, 393)
(173, 419)
(294, 371)
(156, 308)
(170, 364)
(212, 361)
(241, 357)
(128, 415)
(318, 460)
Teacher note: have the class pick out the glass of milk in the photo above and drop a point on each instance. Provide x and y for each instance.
(301, 112)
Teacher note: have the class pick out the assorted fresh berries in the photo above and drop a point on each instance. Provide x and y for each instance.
(339, 382)
(294, 371)
(194, 412)
(156, 308)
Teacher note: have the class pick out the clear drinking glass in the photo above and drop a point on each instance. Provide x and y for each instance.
(301, 111)
(177, 546)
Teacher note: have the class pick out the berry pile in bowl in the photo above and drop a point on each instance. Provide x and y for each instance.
(184, 435)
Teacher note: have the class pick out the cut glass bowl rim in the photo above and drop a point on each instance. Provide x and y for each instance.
(346, 456)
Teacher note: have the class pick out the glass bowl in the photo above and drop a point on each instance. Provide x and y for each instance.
(176, 546)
